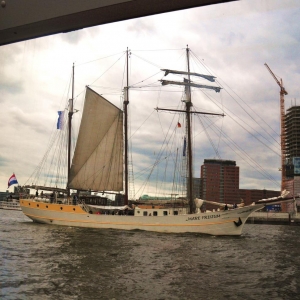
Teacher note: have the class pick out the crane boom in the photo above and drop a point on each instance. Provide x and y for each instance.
(282, 89)
(282, 127)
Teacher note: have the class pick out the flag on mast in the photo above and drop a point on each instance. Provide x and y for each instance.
(60, 120)
(12, 180)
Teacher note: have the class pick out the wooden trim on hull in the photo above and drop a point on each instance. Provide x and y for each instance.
(215, 223)
(125, 223)
(167, 228)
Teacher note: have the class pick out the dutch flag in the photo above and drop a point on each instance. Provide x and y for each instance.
(12, 180)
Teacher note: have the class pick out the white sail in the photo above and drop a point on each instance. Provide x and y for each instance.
(98, 159)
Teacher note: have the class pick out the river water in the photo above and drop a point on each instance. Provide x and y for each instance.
(52, 262)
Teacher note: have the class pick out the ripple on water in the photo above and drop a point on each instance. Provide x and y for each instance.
(52, 262)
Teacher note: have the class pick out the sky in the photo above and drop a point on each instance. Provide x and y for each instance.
(231, 41)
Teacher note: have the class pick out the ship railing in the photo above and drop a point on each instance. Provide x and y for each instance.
(83, 205)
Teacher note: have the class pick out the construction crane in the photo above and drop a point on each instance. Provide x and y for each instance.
(282, 126)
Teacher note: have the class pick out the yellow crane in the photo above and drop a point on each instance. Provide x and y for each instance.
(282, 126)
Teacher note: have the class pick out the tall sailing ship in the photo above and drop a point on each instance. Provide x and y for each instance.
(100, 163)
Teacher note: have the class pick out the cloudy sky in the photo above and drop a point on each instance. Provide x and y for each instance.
(230, 41)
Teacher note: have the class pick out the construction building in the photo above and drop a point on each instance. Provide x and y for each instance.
(292, 154)
(292, 133)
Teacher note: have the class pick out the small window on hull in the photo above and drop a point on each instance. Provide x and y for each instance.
(145, 213)
(175, 213)
(155, 213)
(165, 213)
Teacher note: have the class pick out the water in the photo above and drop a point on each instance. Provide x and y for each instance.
(52, 262)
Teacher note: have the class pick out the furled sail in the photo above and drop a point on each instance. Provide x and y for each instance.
(98, 158)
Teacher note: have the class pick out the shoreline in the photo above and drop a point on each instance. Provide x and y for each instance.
(274, 218)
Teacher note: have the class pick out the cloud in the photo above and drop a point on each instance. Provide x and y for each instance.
(73, 37)
(142, 27)
(9, 82)
(29, 120)
(232, 41)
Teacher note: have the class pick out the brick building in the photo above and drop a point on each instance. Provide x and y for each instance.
(250, 196)
(220, 183)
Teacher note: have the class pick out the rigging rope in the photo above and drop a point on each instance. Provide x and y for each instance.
(206, 68)
(253, 161)
(233, 119)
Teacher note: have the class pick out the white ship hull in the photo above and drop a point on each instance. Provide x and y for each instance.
(230, 222)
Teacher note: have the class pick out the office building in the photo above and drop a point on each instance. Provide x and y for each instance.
(220, 181)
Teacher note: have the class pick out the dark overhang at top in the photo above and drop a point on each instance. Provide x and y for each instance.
(28, 19)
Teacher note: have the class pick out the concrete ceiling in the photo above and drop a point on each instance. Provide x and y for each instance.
(28, 19)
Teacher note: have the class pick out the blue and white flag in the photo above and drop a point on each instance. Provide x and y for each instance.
(12, 180)
(60, 121)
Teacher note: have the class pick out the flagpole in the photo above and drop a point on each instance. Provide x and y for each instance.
(188, 112)
(125, 105)
(71, 101)
(188, 104)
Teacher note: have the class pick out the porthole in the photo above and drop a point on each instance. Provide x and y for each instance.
(74, 208)
(61, 208)
(29, 203)
(46, 206)
(38, 205)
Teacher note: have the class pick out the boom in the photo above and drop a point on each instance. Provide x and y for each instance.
(280, 83)
(282, 126)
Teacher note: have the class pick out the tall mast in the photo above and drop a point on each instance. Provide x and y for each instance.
(188, 105)
(125, 105)
(71, 102)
